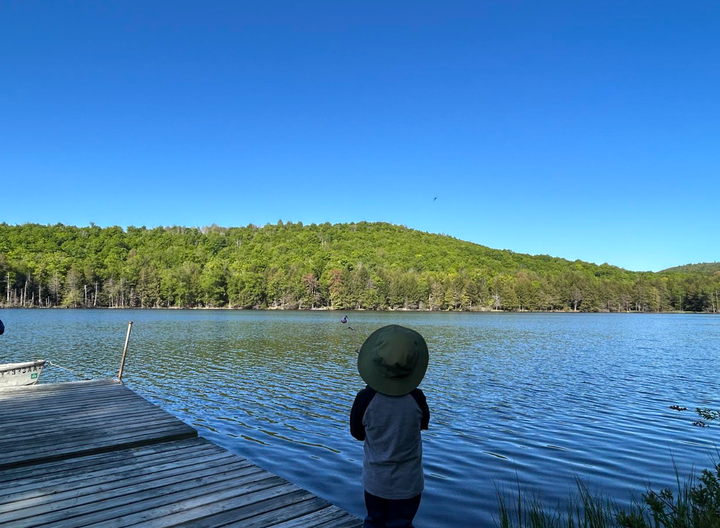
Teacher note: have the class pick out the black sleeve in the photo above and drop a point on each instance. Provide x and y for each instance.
(419, 398)
(360, 405)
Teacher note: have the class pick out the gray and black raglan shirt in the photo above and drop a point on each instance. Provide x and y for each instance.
(390, 427)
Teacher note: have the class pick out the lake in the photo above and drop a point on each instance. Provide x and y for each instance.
(534, 399)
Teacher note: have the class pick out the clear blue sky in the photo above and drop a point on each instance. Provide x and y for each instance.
(586, 130)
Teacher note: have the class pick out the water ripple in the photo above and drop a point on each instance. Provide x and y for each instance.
(535, 400)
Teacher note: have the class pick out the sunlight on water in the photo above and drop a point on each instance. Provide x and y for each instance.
(531, 398)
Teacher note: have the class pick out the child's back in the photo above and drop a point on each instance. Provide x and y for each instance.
(388, 416)
(390, 426)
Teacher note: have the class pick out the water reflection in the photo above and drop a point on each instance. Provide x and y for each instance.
(531, 398)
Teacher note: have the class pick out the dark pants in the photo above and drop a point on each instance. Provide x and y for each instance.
(390, 513)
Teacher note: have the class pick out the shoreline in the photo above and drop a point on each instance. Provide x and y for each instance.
(328, 309)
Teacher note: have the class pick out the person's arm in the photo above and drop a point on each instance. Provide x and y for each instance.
(419, 398)
(360, 405)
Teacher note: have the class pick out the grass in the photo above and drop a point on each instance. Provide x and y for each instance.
(695, 504)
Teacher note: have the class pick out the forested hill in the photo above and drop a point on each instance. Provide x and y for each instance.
(707, 268)
(341, 266)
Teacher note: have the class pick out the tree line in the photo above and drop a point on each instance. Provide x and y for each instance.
(371, 266)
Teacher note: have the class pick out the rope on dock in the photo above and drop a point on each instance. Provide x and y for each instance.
(79, 374)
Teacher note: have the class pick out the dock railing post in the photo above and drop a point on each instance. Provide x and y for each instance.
(122, 361)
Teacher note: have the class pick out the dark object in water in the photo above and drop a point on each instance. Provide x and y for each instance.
(678, 408)
(2, 327)
(700, 423)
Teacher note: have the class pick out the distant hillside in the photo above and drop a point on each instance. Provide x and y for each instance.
(707, 268)
(291, 265)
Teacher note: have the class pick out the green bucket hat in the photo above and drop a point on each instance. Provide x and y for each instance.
(393, 360)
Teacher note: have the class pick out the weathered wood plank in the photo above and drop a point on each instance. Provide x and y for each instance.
(273, 517)
(29, 392)
(72, 420)
(69, 394)
(19, 398)
(116, 478)
(68, 410)
(107, 422)
(79, 435)
(145, 507)
(51, 405)
(188, 510)
(24, 396)
(170, 433)
(52, 387)
(67, 420)
(95, 453)
(97, 497)
(87, 440)
(234, 510)
(9, 478)
(349, 521)
(84, 419)
(102, 473)
(311, 519)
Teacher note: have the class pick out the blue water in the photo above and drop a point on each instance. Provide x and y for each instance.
(529, 399)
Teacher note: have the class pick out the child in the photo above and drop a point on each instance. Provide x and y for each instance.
(388, 415)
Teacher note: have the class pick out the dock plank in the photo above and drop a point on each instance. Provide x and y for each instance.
(94, 453)
(328, 514)
(147, 508)
(27, 396)
(188, 510)
(103, 414)
(22, 475)
(106, 472)
(234, 511)
(27, 391)
(292, 511)
(346, 522)
(41, 423)
(78, 430)
(103, 498)
(112, 478)
(88, 446)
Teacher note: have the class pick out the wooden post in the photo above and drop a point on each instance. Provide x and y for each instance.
(122, 361)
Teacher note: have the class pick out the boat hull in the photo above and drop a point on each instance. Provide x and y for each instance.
(19, 374)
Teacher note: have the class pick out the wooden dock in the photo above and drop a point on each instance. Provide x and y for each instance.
(94, 453)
